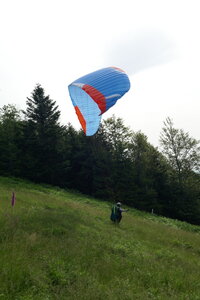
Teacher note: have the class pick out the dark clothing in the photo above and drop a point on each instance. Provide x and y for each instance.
(116, 214)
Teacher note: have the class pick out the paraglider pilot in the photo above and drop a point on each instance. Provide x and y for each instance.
(116, 213)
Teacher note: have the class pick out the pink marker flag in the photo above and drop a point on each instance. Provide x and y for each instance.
(13, 199)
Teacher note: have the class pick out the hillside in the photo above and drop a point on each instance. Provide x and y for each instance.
(57, 244)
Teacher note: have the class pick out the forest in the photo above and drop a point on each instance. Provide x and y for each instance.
(116, 164)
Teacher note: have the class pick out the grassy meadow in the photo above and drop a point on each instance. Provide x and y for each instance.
(57, 244)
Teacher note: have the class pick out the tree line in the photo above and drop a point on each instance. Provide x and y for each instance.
(116, 164)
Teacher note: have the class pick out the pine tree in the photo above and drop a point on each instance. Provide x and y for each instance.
(42, 137)
(41, 110)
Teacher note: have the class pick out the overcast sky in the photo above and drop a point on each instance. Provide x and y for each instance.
(157, 43)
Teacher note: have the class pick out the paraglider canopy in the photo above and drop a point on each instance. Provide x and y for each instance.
(93, 94)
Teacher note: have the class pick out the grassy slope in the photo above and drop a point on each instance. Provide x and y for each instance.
(62, 245)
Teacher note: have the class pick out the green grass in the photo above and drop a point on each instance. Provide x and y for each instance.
(57, 244)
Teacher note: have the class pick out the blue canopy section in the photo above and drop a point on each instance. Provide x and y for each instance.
(112, 82)
(93, 94)
(88, 108)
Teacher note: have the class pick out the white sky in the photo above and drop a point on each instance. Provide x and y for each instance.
(157, 42)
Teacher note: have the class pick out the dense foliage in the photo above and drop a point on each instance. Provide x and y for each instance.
(115, 164)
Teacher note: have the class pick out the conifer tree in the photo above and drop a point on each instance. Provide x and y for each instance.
(42, 137)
